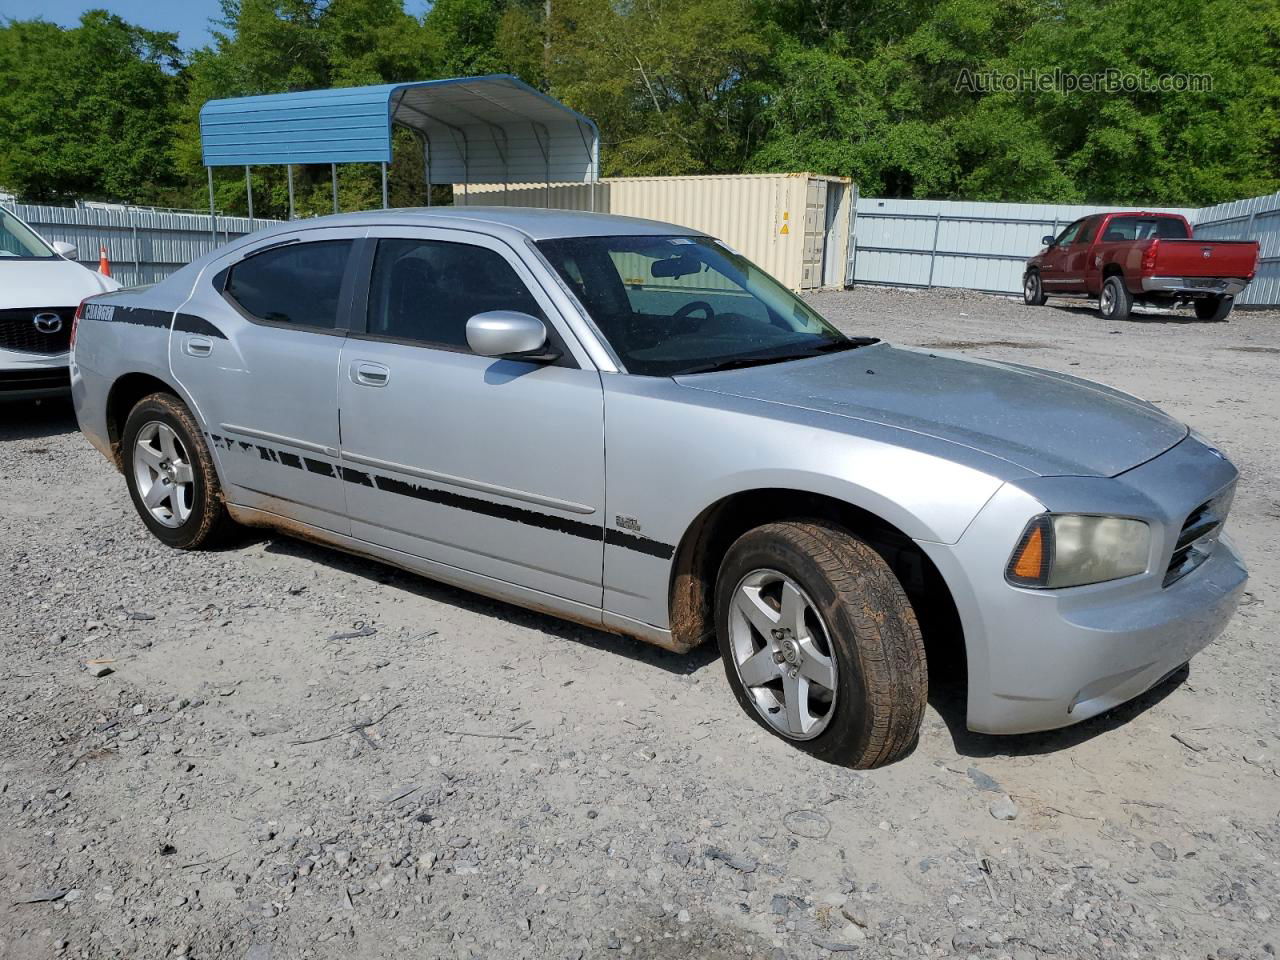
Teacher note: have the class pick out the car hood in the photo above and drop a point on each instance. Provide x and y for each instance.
(1048, 423)
(48, 283)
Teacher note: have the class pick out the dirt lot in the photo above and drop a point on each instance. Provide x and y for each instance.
(302, 754)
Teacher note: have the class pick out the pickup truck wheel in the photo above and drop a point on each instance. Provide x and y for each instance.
(1033, 294)
(170, 474)
(820, 644)
(1214, 308)
(1115, 302)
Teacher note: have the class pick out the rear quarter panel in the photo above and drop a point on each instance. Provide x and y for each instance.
(117, 334)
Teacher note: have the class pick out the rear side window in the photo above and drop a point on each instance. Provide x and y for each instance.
(1144, 228)
(297, 284)
(425, 291)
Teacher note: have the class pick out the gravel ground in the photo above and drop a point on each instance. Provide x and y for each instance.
(301, 754)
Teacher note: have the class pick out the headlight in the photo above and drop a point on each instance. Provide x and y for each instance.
(1069, 550)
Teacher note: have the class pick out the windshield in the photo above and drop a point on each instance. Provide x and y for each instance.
(672, 305)
(19, 240)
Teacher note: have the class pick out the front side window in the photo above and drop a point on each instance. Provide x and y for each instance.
(425, 291)
(19, 240)
(1069, 235)
(674, 305)
(297, 283)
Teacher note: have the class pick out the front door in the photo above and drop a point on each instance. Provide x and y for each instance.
(257, 348)
(495, 467)
(1053, 266)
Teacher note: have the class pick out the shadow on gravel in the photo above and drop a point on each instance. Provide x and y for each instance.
(375, 570)
(28, 419)
(1139, 315)
(947, 696)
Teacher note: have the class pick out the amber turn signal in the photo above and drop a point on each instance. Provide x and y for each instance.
(1029, 565)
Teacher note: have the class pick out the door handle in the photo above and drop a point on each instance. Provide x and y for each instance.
(198, 346)
(369, 374)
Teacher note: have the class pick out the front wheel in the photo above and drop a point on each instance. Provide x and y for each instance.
(1115, 302)
(1033, 294)
(1215, 309)
(820, 644)
(170, 474)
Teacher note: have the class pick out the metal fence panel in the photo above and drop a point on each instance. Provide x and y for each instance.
(144, 245)
(951, 243)
(1257, 218)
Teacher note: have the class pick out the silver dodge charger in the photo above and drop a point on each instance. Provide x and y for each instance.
(627, 424)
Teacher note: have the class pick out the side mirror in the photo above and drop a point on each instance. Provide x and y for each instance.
(1047, 241)
(64, 249)
(508, 333)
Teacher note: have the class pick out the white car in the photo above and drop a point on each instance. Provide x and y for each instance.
(40, 287)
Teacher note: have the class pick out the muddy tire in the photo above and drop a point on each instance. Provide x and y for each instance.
(1115, 302)
(170, 474)
(1214, 309)
(820, 644)
(1033, 294)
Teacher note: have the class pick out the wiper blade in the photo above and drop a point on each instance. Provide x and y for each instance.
(848, 343)
(737, 363)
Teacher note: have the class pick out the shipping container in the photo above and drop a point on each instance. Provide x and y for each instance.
(794, 225)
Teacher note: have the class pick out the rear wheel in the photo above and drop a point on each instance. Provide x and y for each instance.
(1033, 294)
(1214, 308)
(820, 644)
(170, 474)
(1115, 302)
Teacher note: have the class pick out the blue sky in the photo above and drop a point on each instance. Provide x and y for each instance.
(189, 18)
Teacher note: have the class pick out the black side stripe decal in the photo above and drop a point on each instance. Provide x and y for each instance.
(458, 501)
(190, 323)
(156, 319)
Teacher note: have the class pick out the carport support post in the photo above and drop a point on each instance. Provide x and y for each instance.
(213, 217)
(248, 189)
(333, 173)
(289, 168)
(384, 185)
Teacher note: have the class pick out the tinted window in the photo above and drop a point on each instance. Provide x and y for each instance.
(427, 290)
(298, 283)
(1143, 228)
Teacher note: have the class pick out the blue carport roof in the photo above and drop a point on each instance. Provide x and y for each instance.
(475, 129)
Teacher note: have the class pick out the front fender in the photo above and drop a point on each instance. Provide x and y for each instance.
(672, 452)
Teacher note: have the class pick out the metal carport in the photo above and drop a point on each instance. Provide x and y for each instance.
(473, 129)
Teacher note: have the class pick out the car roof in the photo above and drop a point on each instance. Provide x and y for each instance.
(532, 222)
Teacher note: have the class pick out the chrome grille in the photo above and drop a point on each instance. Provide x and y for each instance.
(1199, 535)
(18, 330)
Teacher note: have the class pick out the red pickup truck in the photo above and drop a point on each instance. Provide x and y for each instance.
(1123, 258)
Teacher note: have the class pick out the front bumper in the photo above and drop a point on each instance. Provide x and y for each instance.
(1195, 286)
(1043, 659)
(28, 376)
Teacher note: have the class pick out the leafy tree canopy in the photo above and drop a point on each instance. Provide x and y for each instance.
(869, 90)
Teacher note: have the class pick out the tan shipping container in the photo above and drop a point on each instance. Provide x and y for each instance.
(794, 225)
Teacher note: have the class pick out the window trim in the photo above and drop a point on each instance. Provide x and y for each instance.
(342, 314)
(359, 305)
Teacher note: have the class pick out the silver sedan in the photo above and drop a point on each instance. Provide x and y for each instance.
(627, 424)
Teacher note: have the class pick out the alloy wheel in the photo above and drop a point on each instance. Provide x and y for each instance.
(782, 654)
(162, 469)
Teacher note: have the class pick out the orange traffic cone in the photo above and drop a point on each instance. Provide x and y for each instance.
(104, 265)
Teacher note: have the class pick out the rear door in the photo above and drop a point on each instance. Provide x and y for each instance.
(495, 467)
(257, 349)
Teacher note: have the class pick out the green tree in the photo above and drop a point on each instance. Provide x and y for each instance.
(88, 112)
